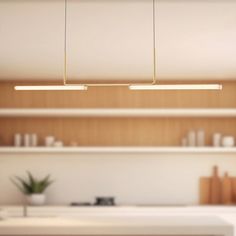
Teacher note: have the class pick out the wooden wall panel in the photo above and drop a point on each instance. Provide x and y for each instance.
(117, 97)
(116, 131)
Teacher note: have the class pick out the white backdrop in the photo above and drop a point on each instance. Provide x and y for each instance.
(132, 178)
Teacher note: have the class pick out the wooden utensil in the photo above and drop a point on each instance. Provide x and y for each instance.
(215, 187)
(204, 190)
(226, 189)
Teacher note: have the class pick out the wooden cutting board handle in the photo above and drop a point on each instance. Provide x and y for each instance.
(227, 189)
(215, 187)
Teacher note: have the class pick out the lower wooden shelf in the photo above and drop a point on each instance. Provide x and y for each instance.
(117, 112)
(117, 150)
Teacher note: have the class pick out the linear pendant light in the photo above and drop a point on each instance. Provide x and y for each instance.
(141, 86)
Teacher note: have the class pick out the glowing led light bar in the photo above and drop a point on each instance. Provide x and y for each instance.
(52, 87)
(176, 87)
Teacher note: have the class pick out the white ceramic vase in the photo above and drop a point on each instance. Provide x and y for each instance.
(36, 199)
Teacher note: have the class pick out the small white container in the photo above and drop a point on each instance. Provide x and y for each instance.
(26, 140)
(200, 138)
(228, 141)
(34, 140)
(216, 140)
(17, 140)
(36, 199)
(191, 138)
(49, 141)
(58, 144)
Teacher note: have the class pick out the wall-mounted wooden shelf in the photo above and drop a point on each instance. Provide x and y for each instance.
(213, 150)
(127, 112)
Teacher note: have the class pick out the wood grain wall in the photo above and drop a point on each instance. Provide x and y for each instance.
(116, 131)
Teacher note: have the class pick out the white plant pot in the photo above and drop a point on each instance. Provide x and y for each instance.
(36, 199)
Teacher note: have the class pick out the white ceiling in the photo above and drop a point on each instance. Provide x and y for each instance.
(112, 39)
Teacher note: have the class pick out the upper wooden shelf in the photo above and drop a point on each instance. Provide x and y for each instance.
(117, 112)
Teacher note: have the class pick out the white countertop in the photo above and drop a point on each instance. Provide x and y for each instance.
(117, 225)
(63, 210)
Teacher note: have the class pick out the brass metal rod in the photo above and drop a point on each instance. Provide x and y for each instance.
(108, 85)
(154, 40)
(65, 45)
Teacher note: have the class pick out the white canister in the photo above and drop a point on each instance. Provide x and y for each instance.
(216, 140)
(58, 144)
(191, 138)
(49, 141)
(34, 140)
(26, 140)
(17, 140)
(200, 138)
(228, 141)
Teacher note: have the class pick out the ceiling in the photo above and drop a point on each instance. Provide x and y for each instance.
(112, 39)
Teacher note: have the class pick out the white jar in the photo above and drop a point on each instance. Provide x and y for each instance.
(228, 141)
(216, 140)
(17, 140)
(200, 138)
(191, 138)
(26, 140)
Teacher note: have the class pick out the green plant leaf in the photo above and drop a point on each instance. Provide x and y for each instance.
(31, 179)
(31, 185)
(27, 186)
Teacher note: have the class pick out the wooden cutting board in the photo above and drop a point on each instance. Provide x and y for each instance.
(233, 184)
(227, 189)
(215, 195)
(216, 190)
(204, 190)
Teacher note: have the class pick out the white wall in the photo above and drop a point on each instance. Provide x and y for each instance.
(136, 178)
(113, 39)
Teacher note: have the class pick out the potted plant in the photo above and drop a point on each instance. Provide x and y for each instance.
(33, 188)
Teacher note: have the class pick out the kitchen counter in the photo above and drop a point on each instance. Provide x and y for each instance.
(57, 210)
(117, 225)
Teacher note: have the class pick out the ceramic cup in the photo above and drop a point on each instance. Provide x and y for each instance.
(49, 141)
